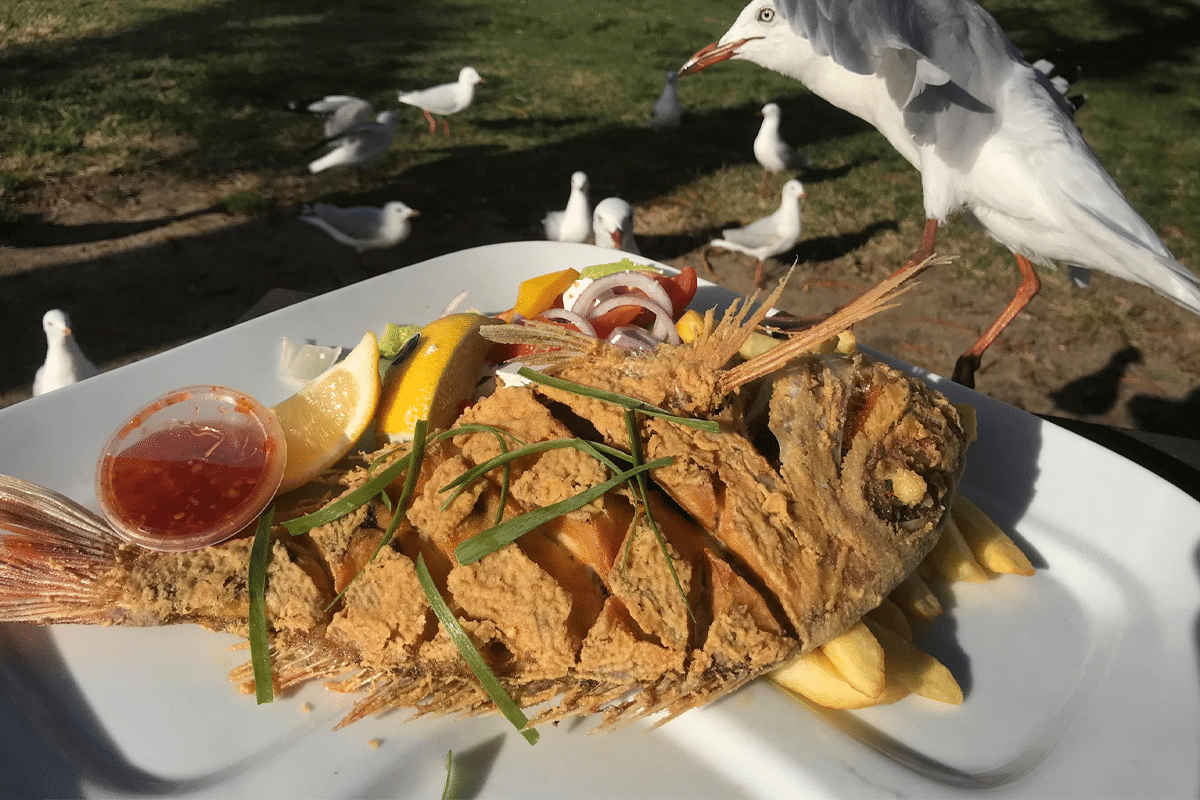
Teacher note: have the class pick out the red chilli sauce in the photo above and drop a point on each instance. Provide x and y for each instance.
(184, 480)
(191, 468)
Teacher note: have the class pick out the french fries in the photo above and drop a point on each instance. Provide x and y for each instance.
(915, 598)
(875, 662)
(858, 658)
(952, 559)
(915, 670)
(990, 546)
(814, 676)
(903, 668)
(966, 413)
(890, 616)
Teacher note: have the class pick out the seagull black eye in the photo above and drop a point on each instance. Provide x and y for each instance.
(766, 15)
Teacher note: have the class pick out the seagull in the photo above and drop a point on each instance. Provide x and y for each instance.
(341, 112)
(362, 227)
(446, 98)
(356, 131)
(572, 224)
(988, 132)
(65, 362)
(612, 225)
(773, 153)
(667, 108)
(770, 235)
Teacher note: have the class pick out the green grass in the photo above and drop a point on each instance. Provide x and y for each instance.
(197, 89)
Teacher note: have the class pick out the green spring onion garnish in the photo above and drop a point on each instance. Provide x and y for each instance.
(635, 450)
(449, 774)
(504, 702)
(260, 645)
(349, 501)
(481, 544)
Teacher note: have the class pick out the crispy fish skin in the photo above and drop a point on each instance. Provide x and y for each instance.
(774, 539)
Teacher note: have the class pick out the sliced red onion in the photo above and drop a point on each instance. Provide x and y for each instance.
(601, 289)
(631, 337)
(664, 325)
(563, 315)
(453, 305)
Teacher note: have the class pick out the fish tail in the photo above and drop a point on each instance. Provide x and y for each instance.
(54, 557)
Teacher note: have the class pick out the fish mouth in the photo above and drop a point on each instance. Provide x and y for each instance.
(715, 53)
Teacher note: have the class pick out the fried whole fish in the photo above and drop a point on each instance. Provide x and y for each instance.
(826, 484)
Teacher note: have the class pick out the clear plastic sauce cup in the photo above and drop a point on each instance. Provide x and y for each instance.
(191, 468)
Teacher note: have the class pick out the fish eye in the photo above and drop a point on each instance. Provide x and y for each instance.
(766, 15)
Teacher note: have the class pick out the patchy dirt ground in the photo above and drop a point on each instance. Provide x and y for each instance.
(143, 264)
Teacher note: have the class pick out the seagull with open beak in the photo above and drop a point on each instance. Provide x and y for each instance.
(991, 136)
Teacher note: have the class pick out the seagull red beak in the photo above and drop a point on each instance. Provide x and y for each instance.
(616, 238)
(715, 53)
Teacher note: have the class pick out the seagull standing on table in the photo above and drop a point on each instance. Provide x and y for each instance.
(667, 109)
(612, 225)
(446, 98)
(574, 223)
(362, 227)
(65, 362)
(772, 152)
(988, 132)
(352, 126)
(769, 236)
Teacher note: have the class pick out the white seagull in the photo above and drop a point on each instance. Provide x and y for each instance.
(770, 235)
(667, 108)
(574, 223)
(612, 225)
(357, 133)
(341, 112)
(989, 133)
(446, 98)
(772, 152)
(362, 227)
(65, 362)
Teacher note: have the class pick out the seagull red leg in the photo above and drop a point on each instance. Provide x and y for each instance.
(432, 124)
(758, 274)
(925, 250)
(968, 362)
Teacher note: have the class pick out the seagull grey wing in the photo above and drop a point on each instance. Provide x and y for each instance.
(946, 60)
(351, 113)
(358, 222)
(331, 103)
(756, 234)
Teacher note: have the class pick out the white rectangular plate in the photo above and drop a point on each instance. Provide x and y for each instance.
(1080, 682)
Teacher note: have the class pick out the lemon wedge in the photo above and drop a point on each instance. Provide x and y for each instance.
(323, 420)
(436, 380)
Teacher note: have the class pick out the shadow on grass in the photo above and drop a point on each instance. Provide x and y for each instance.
(34, 231)
(139, 301)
